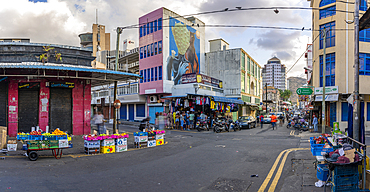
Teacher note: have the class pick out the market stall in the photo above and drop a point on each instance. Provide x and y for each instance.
(338, 162)
(37, 141)
(105, 143)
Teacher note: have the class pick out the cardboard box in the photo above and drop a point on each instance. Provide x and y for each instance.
(141, 139)
(160, 141)
(12, 141)
(152, 143)
(107, 149)
(63, 143)
(161, 136)
(121, 141)
(121, 148)
(3, 137)
(108, 142)
(12, 147)
(140, 144)
(92, 144)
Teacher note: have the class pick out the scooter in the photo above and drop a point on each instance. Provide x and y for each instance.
(220, 125)
(234, 125)
(202, 125)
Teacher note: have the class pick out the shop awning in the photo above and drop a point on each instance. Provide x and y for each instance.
(174, 96)
(227, 100)
(50, 70)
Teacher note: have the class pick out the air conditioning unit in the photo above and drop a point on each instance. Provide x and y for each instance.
(153, 99)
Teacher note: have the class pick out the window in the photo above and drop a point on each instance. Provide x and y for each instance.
(141, 74)
(144, 75)
(368, 111)
(155, 25)
(155, 48)
(330, 34)
(151, 27)
(156, 75)
(243, 61)
(147, 29)
(344, 111)
(141, 31)
(144, 30)
(326, 2)
(152, 74)
(365, 35)
(140, 110)
(151, 50)
(363, 5)
(364, 64)
(148, 70)
(159, 24)
(248, 64)
(160, 73)
(141, 52)
(243, 82)
(144, 51)
(159, 47)
(327, 12)
(252, 68)
(330, 70)
(148, 51)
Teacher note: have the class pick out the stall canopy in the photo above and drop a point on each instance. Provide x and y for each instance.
(37, 69)
(227, 100)
(174, 96)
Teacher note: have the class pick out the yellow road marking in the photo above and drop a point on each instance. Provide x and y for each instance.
(278, 174)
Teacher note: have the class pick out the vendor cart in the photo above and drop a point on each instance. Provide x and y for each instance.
(56, 147)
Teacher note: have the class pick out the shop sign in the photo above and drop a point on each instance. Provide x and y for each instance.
(328, 90)
(333, 97)
(28, 85)
(62, 84)
(189, 78)
(200, 78)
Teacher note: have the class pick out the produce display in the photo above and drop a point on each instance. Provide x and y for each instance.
(39, 135)
(104, 136)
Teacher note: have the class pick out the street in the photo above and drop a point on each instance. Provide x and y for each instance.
(190, 161)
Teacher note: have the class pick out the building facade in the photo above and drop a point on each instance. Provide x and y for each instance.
(170, 46)
(339, 60)
(239, 72)
(274, 74)
(271, 99)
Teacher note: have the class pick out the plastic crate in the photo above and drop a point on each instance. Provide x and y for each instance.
(343, 170)
(22, 137)
(59, 137)
(35, 137)
(33, 145)
(322, 172)
(317, 151)
(353, 188)
(49, 137)
(346, 180)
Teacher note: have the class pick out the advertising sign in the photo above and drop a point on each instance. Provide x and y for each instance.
(333, 97)
(328, 90)
(62, 84)
(189, 78)
(28, 85)
(200, 78)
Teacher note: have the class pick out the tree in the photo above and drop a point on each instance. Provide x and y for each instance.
(285, 95)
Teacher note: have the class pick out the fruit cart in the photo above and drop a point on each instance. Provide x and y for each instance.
(56, 142)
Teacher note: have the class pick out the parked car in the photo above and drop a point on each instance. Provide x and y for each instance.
(267, 119)
(247, 122)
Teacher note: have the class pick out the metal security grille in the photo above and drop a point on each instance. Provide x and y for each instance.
(3, 103)
(61, 109)
(28, 109)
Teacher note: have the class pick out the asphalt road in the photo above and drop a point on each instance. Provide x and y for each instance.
(191, 161)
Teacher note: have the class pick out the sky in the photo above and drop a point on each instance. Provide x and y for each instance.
(61, 21)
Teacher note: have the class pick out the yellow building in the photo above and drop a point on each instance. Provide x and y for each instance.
(339, 59)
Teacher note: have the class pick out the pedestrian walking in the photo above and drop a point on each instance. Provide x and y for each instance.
(191, 119)
(99, 121)
(315, 122)
(261, 120)
(273, 121)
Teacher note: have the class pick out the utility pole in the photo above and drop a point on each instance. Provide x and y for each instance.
(323, 123)
(356, 100)
(119, 31)
(266, 96)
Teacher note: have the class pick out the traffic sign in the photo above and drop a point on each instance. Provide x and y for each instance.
(304, 91)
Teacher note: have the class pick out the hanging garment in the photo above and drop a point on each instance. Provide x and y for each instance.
(207, 101)
(212, 105)
(186, 103)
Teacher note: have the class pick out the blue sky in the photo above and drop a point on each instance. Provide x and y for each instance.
(60, 22)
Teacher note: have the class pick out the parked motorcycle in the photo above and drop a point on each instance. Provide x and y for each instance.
(234, 125)
(202, 125)
(220, 125)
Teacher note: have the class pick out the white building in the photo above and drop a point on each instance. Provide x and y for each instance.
(273, 74)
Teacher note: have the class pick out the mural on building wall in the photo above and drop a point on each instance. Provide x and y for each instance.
(184, 51)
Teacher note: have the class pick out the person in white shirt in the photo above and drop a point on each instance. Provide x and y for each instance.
(99, 121)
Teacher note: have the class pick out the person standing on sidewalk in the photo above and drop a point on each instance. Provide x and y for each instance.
(273, 121)
(261, 120)
(99, 121)
(315, 122)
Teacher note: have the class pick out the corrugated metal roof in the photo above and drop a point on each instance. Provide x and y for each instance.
(49, 66)
(44, 44)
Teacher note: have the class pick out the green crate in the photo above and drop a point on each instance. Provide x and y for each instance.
(54, 144)
(33, 145)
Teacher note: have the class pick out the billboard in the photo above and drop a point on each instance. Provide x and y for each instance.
(184, 51)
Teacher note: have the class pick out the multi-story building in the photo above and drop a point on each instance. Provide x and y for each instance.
(339, 59)
(170, 46)
(240, 73)
(274, 74)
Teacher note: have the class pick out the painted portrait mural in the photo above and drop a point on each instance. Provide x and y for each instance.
(184, 47)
